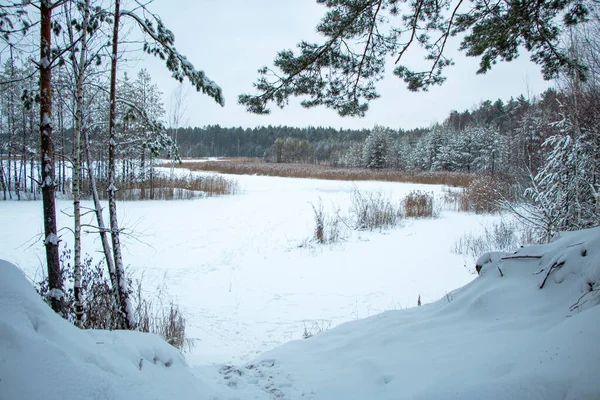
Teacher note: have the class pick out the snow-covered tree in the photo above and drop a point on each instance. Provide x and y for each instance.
(378, 148)
(564, 193)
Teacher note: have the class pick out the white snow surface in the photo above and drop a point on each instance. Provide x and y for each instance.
(498, 337)
(235, 265)
(43, 356)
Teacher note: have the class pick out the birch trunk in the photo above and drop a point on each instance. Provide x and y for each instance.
(110, 264)
(122, 287)
(77, 165)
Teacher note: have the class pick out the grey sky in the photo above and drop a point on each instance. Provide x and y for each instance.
(231, 39)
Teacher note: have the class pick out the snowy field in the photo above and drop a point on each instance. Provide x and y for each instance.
(241, 269)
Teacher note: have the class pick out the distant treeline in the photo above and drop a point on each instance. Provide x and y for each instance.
(217, 141)
(495, 135)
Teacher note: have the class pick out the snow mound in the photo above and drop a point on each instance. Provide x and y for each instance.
(43, 356)
(526, 328)
(499, 337)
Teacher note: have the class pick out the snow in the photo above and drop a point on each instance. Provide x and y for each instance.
(498, 337)
(56, 294)
(235, 265)
(48, 181)
(43, 356)
(52, 239)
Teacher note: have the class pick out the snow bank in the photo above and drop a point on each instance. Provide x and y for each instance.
(498, 337)
(44, 357)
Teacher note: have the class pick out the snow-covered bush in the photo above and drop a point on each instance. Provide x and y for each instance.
(565, 193)
(315, 328)
(499, 236)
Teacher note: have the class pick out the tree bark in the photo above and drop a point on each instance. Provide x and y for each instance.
(77, 164)
(122, 287)
(110, 264)
(55, 281)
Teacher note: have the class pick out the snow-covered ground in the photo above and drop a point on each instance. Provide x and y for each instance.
(237, 266)
(498, 337)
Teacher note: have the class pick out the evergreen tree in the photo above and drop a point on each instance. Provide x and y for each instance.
(378, 148)
(341, 72)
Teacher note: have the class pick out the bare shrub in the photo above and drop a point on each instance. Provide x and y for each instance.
(451, 198)
(418, 204)
(99, 306)
(499, 236)
(485, 194)
(328, 228)
(158, 314)
(315, 328)
(374, 210)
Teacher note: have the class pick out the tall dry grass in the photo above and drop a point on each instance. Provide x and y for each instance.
(255, 166)
(486, 193)
(418, 204)
(166, 188)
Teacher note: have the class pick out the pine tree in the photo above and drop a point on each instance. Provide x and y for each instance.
(377, 148)
(341, 72)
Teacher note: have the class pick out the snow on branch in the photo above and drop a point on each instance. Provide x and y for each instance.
(163, 46)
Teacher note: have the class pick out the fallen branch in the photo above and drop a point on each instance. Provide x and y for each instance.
(555, 265)
(519, 257)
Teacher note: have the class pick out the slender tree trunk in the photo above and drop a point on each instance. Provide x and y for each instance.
(10, 146)
(77, 165)
(32, 179)
(63, 165)
(110, 264)
(126, 309)
(55, 282)
(2, 177)
(151, 176)
(143, 173)
(24, 154)
(17, 170)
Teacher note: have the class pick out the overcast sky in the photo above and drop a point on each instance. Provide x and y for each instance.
(231, 39)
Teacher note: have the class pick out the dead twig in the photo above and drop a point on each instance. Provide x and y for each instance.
(577, 303)
(555, 265)
(519, 257)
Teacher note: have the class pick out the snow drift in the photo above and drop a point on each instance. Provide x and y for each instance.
(499, 337)
(43, 356)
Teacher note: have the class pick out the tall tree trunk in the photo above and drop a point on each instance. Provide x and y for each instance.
(63, 165)
(77, 164)
(2, 179)
(24, 155)
(110, 264)
(122, 287)
(55, 281)
(31, 177)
